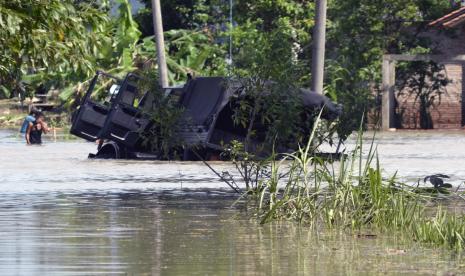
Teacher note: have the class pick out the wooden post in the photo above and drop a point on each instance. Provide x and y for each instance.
(392, 94)
(319, 42)
(388, 97)
(160, 41)
(463, 94)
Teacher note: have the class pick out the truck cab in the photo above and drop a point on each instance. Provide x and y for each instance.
(116, 113)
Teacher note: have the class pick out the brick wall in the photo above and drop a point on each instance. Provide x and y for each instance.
(448, 113)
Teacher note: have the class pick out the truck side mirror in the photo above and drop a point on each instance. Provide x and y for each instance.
(114, 89)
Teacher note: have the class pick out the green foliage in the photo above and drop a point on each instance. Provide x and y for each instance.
(359, 33)
(272, 55)
(4, 92)
(269, 13)
(127, 31)
(184, 14)
(355, 94)
(444, 229)
(162, 135)
(363, 30)
(193, 52)
(54, 39)
(61, 43)
(251, 168)
(271, 74)
(117, 55)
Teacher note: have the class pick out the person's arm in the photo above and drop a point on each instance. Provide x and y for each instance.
(30, 118)
(45, 127)
(28, 133)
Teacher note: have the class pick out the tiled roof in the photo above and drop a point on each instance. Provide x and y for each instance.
(450, 20)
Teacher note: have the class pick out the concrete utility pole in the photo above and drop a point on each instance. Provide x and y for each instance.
(388, 96)
(160, 41)
(319, 42)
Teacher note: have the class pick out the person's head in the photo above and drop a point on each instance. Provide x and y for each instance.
(39, 117)
(34, 112)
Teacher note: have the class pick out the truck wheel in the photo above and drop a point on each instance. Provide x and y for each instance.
(109, 151)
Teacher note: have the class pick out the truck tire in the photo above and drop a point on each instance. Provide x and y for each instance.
(109, 150)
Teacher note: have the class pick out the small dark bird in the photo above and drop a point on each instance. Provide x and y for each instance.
(437, 181)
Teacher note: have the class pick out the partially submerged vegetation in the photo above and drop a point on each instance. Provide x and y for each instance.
(351, 194)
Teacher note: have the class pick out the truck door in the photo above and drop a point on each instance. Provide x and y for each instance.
(90, 118)
(126, 120)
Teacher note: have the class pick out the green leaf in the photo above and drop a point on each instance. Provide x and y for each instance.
(4, 92)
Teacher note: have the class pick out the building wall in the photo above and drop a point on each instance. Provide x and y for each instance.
(447, 114)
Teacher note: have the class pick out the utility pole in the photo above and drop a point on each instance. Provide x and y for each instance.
(160, 41)
(319, 42)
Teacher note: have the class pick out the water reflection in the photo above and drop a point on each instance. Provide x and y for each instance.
(63, 214)
(173, 233)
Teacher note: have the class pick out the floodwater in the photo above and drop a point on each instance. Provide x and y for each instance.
(63, 214)
(416, 154)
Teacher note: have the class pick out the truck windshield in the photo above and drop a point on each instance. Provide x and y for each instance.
(104, 91)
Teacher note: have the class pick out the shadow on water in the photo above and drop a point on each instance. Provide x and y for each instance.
(63, 214)
(184, 233)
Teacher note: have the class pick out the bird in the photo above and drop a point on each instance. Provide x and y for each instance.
(437, 180)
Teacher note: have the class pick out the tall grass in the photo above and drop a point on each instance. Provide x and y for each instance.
(352, 194)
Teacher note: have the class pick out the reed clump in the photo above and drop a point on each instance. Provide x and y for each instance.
(351, 194)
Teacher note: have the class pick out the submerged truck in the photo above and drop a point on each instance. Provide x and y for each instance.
(115, 113)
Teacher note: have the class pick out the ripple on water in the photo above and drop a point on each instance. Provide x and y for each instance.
(63, 214)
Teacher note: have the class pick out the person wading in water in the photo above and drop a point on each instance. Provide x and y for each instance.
(29, 119)
(35, 130)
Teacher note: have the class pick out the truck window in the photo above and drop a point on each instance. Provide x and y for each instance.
(106, 88)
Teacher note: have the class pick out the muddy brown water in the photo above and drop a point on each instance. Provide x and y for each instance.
(63, 214)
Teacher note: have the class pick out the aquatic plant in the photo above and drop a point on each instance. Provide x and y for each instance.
(352, 194)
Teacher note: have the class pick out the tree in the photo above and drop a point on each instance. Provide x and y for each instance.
(192, 52)
(360, 32)
(183, 14)
(55, 39)
(270, 107)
